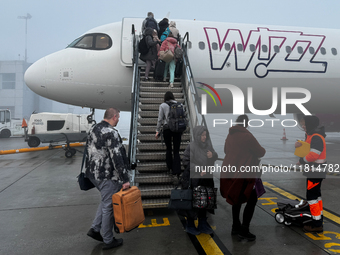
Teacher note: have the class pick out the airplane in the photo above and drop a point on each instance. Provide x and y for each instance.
(278, 63)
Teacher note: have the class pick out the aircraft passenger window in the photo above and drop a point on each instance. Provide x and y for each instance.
(55, 124)
(201, 45)
(300, 49)
(334, 51)
(264, 48)
(311, 50)
(276, 49)
(288, 49)
(214, 46)
(323, 51)
(239, 47)
(252, 47)
(227, 46)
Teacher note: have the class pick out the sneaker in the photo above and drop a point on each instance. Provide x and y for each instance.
(115, 243)
(164, 79)
(312, 229)
(204, 227)
(171, 85)
(95, 235)
(146, 79)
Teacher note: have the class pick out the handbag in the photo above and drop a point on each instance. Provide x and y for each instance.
(84, 182)
(166, 55)
(204, 198)
(259, 188)
(180, 199)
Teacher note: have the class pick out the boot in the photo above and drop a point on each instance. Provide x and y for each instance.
(245, 234)
(236, 228)
(204, 227)
(190, 228)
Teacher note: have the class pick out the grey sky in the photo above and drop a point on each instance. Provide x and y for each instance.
(56, 23)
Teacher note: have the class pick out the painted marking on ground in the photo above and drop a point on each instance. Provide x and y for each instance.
(155, 224)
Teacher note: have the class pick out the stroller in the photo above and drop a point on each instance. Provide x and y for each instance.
(293, 211)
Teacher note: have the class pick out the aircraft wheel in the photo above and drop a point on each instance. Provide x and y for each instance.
(33, 141)
(68, 154)
(279, 218)
(5, 133)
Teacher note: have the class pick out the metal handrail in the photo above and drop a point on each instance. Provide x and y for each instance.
(134, 105)
(192, 100)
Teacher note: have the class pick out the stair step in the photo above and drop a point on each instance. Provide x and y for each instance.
(152, 129)
(149, 107)
(155, 203)
(156, 190)
(153, 156)
(149, 167)
(160, 89)
(158, 95)
(148, 114)
(154, 178)
(158, 146)
(157, 101)
(159, 84)
(151, 137)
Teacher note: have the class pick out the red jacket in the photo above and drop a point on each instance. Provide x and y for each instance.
(168, 43)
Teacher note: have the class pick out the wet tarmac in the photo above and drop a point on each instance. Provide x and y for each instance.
(43, 211)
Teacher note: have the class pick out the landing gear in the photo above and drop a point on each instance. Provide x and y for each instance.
(90, 119)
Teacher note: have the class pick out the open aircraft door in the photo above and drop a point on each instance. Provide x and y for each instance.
(127, 40)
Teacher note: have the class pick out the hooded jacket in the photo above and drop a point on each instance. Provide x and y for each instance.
(173, 29)
(241, 149)
(152, 45)
(315, 136)
(168, 43)
(163, 24)
(196, 155)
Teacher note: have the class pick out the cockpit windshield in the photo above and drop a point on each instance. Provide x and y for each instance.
(92, 42)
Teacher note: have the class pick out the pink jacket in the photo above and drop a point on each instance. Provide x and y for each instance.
(169, 42)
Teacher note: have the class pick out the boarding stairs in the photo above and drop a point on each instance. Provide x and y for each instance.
(146, 153)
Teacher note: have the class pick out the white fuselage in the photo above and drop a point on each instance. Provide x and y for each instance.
(246, 56)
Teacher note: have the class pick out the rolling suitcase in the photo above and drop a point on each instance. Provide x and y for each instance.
(159, 70)
(127, 209)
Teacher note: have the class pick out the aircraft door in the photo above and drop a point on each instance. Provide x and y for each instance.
(127, 39)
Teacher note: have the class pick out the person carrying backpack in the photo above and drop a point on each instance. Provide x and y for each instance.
(150, 22)
(172, 133)
(149, 54)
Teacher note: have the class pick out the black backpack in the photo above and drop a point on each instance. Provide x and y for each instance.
(176, 119)
(151, 23)
(143, 47)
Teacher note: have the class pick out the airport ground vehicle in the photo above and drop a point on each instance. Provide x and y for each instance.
(48, 127)
(9, 126)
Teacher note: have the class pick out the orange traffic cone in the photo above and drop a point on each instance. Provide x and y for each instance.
(24, 124)
(284, 138)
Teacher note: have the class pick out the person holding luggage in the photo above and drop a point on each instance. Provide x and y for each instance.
(241, 149)
(151, 56)
(316, 158)
(107, 167)
(169, 43)
(173, 160)
(199, 153)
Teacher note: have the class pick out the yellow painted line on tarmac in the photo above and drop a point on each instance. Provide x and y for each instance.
(155, 224)
(326, 214)
(208, 244)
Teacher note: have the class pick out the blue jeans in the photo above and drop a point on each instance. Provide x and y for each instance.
(172, 66)
(103, 221)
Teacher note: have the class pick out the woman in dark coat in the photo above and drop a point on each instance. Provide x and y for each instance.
(198, 153)
(241, 149)
(150, 57)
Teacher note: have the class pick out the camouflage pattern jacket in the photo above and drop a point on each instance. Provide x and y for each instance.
(106, 156)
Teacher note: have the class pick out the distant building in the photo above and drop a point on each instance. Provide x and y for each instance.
(20, 100)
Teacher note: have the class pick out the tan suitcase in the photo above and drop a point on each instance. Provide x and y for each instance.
(128, 209)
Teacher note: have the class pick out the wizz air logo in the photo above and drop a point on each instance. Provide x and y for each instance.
(265, 51)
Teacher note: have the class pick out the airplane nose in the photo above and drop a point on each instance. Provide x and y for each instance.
(35, 77)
